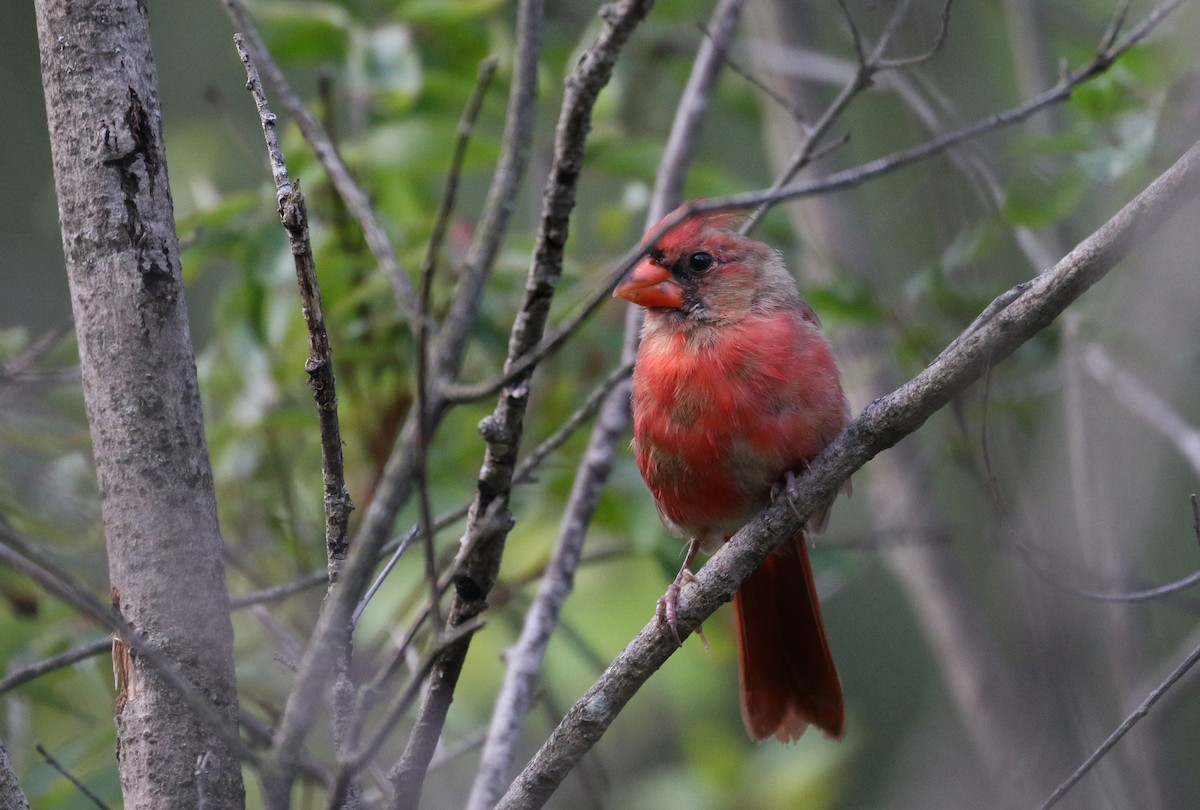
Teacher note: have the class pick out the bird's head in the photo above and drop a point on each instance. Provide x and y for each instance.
(704, 271)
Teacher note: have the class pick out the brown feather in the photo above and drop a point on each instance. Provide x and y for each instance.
(786, 671)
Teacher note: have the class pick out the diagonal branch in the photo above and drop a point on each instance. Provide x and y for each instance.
(319, 365)
(1120, 731)
(525, 658)
(1061, 91)
(323, 147)
(334, 625)
(22, 556)
(490, 520)
(781, 191)
(883, 423)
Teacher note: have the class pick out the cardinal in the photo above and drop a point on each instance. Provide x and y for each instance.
(734, 391)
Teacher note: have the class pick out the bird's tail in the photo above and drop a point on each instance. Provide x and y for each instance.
(788, 678)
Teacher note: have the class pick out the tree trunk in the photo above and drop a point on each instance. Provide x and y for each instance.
(11, 795)
(143, 406)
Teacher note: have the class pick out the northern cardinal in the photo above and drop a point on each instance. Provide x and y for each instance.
(734, 390)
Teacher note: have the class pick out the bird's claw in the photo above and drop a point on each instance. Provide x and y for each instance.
(667, 611)
(787, 491)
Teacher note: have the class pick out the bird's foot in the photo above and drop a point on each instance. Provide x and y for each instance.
(787, 491)
(667, 611)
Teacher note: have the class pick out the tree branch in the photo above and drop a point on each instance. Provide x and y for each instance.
(852, 177)
(1120, 731)
(489, 520)
(22, 556)
(326, 152)
(319, 365)
(781, 191)
(881, 425)
(487, 69)
(525, 657)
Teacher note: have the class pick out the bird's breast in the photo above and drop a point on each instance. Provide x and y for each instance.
(720, 416)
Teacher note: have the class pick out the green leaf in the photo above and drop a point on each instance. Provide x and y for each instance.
(439, 13)
(306, 32)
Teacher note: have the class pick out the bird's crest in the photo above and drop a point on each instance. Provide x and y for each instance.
(696, 227)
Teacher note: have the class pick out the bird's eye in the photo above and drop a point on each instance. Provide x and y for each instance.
(699, 262)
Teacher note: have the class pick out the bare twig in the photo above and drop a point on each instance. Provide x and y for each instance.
(40, 668)
(319, 365)
(471, 392)
(502, 195)
(355, 761)
(868, 67)
(477, 569)
(781, 191)
(326, 152)
(1145, 595)
(882, 424)
(18, 369)
(22, 556)
(1141, 711)
(853, 177)
(938, 42)
(278, 592)
(487, 69)
(70, 777)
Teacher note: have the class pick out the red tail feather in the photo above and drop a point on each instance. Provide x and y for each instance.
(788, 678)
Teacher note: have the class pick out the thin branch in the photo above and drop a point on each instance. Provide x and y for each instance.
(326, 152)
(1121, 730)
(502, 194)
(18, 369)
(1114, 26)
(1146, 595)
(334, 624)
(22, 556)
(353, 763)
(472, 392)
(853, 177)
(278, 592)
(938, 42)
(319, 365)
(526, 656)
(883, 423)
(487, 69)
(40, 668)
(867, 67)
(70, 777)
(781, 191)
(476, 570)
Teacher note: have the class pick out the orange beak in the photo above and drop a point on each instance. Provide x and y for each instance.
(650, 285)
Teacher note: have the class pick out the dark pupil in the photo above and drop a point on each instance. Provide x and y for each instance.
(699, 262)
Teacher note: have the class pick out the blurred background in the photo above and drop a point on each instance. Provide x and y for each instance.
(977, 669)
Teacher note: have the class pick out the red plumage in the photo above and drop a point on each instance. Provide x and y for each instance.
(735, 387)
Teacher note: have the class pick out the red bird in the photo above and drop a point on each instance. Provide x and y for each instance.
(735, 389)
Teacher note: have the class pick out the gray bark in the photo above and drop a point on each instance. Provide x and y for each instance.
(143, 406)
(11, 795)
